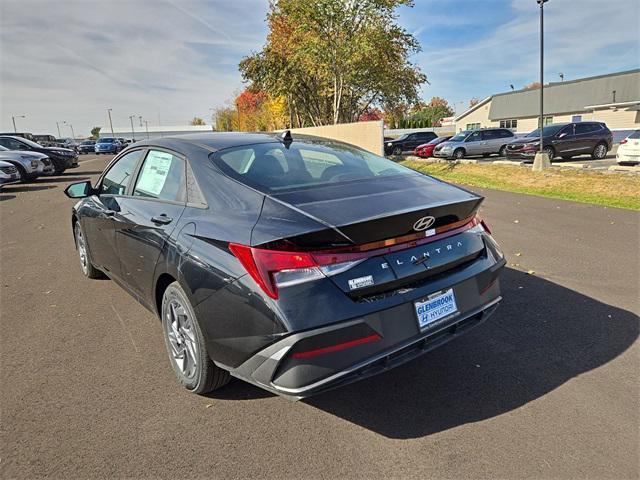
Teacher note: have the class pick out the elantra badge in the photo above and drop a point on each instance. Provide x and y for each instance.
(423, 223)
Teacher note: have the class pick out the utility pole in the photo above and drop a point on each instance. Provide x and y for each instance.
(541, 160)
(140, 117)
(73, 135)
(110, 122)
(13, 119)
(146, 126)
(133, 134)
(58, 127)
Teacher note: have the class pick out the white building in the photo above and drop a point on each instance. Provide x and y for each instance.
(142, 133)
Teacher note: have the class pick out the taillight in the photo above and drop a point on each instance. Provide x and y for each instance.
(272, 269)
(622, 142)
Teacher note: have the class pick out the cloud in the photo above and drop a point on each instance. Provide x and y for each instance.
(581, 39)
(71, 60)
(173, 59)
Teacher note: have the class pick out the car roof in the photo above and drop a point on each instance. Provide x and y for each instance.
(214, 140)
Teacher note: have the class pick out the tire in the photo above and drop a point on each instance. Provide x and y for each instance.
(397, 151)
(186, 346)
(599, 151)
(459, 153)
(87, 267)
(549, 151)
(24, 178)
(57, 168)
(503, 151)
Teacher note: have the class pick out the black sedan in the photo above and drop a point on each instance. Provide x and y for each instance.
(62, 158)
(88, 146)
(296, 264)
(407, 142)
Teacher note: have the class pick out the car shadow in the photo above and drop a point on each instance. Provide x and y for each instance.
(4, 197)
(27, 187)
(61, 178)
(542, 336)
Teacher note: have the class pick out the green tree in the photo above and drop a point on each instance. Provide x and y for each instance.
(197, 121)
(333, 59)
(95, 133)
(431, 113)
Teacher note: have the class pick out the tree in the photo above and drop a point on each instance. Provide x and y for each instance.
(95, 133)
(430, 114)
(369, 114)
(531, 86)
(473, 102)
(331, 60)
(197, 121)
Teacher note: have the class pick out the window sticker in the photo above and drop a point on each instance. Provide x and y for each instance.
(154, 173)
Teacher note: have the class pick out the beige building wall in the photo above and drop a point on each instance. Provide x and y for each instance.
(618, 118)
(479, 115)
(366, 135)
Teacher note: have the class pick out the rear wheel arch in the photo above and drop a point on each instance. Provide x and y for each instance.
(163, 281)
(74, 220)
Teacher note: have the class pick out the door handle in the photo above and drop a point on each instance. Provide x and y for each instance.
(161, 219)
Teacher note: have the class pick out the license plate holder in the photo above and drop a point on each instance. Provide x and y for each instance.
(436, 307)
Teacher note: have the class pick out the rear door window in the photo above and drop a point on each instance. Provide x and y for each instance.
(582, 128)
(162, 177)
(489, 134)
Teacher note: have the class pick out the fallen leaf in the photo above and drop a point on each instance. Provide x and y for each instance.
(518, 254)
(516, 221)
(531, 272)
(209, 405)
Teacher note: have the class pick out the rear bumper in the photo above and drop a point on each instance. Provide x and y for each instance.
(622, 158)
(275, 368)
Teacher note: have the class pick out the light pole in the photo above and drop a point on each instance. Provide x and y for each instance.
(140, 117)
(541, 160)
(110, 122)
(146, 126)
(13, 119)
(73, 135)
(58, 127)
(133, 134)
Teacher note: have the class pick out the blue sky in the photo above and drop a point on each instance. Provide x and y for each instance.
(168, 60)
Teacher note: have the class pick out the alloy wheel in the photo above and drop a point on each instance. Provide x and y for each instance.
(180, 331)
(600, 151)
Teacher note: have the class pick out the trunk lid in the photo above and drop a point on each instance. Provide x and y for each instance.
(360, 212)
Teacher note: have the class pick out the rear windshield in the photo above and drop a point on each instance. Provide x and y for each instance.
(272, 167)
(106, 140)
(635, 134)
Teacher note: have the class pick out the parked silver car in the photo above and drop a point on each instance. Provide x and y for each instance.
(30, 165)
(467, 143)
(8, 174)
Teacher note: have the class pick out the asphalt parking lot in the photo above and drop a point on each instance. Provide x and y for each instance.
(547, 388)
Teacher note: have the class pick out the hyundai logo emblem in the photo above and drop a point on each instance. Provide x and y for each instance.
(423, 223)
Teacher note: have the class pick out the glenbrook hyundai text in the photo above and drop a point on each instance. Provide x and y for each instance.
(296, 264)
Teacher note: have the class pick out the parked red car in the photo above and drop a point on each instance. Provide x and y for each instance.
(426, 149)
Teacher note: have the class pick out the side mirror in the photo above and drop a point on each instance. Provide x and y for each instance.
(79, 190)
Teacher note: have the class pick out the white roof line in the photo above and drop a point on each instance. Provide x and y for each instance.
(618, 104)
(471, 109)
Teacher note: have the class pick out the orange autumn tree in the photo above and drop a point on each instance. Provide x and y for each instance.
(258, 112)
